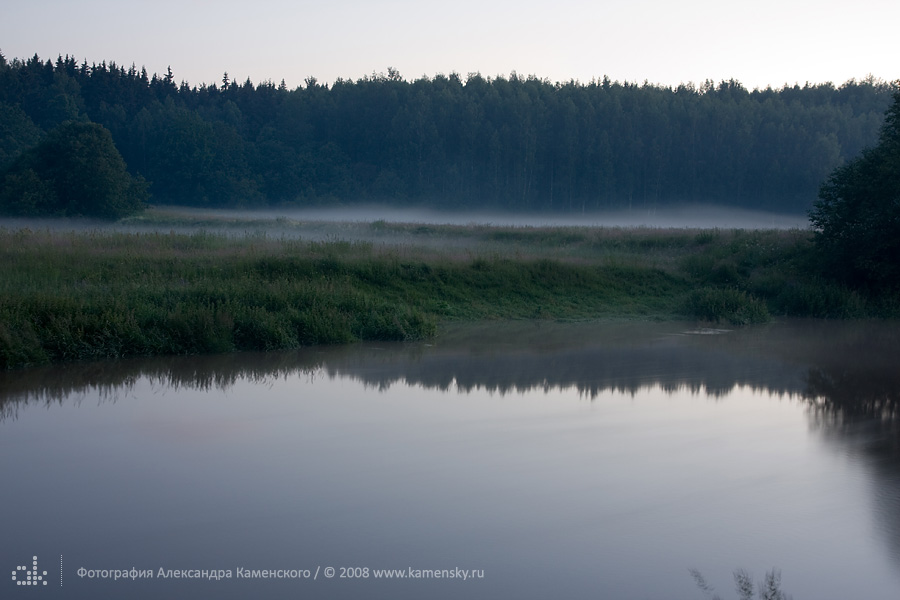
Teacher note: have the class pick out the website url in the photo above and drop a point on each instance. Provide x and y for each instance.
(411, 573)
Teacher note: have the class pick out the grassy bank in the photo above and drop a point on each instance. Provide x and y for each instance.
(66, 296)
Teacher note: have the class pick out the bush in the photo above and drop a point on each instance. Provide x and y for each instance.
(75, 172)
(730, 305)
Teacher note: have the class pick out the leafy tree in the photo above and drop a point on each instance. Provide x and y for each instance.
(75, 171)
(857, 216)
(17, 133)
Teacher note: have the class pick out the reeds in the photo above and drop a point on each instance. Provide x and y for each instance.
(70, 296)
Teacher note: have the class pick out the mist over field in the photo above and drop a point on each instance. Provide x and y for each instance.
(321, 223)
(691, 216)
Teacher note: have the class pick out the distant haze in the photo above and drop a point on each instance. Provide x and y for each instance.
(688, 217)
(699, 216)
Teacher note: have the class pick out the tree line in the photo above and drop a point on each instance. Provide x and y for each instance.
(517, 143)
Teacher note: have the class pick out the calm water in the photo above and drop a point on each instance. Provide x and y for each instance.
(559, 461)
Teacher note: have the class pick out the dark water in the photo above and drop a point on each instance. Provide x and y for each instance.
(556, 460)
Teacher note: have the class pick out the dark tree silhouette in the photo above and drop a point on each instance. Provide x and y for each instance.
(75, 171)
(857, 216)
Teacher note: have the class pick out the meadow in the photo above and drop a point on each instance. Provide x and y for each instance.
(172, 284)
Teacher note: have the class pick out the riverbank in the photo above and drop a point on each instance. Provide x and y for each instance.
(68, 295)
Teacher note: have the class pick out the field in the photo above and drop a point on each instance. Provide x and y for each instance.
(168, 283)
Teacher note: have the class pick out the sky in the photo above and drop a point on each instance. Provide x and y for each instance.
(760, 43)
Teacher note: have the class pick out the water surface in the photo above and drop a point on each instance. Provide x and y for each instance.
(595, 460)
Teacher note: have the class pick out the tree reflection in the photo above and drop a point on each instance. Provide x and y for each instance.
(856, 403)
(846, 372)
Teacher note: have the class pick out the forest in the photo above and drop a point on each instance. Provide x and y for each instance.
(451, 142)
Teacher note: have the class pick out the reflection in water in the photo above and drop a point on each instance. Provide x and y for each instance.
(846, 372)
(854, 392)
(591, 357)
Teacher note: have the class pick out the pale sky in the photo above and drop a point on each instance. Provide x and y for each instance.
(759, 43)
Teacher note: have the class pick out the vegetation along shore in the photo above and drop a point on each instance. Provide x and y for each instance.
(68, 296)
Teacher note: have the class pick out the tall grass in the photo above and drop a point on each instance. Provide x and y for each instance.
(767, 589)
(67, 296)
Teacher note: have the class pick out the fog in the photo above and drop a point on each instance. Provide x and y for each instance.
(353, 222)
(690, 216)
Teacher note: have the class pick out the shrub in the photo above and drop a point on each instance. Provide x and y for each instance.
(730, 305)
(75, 172)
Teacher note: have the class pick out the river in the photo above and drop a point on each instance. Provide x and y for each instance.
(524, 460)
